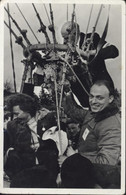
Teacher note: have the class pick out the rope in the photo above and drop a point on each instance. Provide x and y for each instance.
(42, 26)
(21, 31)
(16, 37)
(47, 14)
(62, 85)
(53, 31)
(24, 75)
(98, 15)
(57, 109)
(101, 42)
(73, 15)
(27, 22)
(76, 30)
(94, 28)
(12, 54)
(87, 27)
(67, 12)
(74, 74)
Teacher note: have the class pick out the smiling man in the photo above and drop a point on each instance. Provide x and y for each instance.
(100, 135)
(100, 97)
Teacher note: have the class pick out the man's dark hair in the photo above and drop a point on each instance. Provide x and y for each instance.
(108, 84)
(25, 102)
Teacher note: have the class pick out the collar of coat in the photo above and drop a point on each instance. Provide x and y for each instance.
(110, 110)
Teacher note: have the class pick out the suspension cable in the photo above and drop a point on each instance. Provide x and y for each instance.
(76, 39)
(12, 54)
(18, 39)
(67, 12)
(58, 115)
(64, 60)
(47, 13)
(53, 28)
(94, 28)
(42, 26)
(27, 22)
(87, 27)
(73, 15)
(21, 31)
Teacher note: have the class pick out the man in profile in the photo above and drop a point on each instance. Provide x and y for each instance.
(25, 148)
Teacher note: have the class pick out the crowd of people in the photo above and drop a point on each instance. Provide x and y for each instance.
(85, 152)
(89, 142)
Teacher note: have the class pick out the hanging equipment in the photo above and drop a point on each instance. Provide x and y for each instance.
(94, 29)
(102, 39)
(19, 39)
(74, 74)
(83, 45)
(73, 15)
(67, 12)
(101, 42)
(12, 54)
(27, 22)
(76, 38)
(47, 14)
(51, 27)
(42, 26)
(23, 32)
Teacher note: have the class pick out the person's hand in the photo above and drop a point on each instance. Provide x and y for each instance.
(70, 151)
(61, 159)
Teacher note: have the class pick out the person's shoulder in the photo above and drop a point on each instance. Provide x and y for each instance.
(111, 122)
(114, 119)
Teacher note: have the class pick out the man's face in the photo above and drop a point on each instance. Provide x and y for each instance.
(99, 98)
(18, 113)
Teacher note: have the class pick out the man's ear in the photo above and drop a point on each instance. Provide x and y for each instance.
(111, 98)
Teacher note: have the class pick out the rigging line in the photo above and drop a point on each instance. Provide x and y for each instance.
(42, 26)
(94, 28)
(89, 18)
(62, 85)
(98, 15)
(16, 37)
(67, 12)
(87, 26)
(76, 30)
(102, 40)
(12, 54)
(74, 74)
(47, 13)
(73, 15)
(57, 109)
(53, 31)
(21, 31)
(27, 22)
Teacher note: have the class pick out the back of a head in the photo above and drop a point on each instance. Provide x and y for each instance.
(77, 172)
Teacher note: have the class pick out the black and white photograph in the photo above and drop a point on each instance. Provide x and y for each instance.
(62, 97)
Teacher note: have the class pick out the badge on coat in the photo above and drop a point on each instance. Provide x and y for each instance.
(85, 134)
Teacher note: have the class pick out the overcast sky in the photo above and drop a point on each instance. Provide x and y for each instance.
(114, 66)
